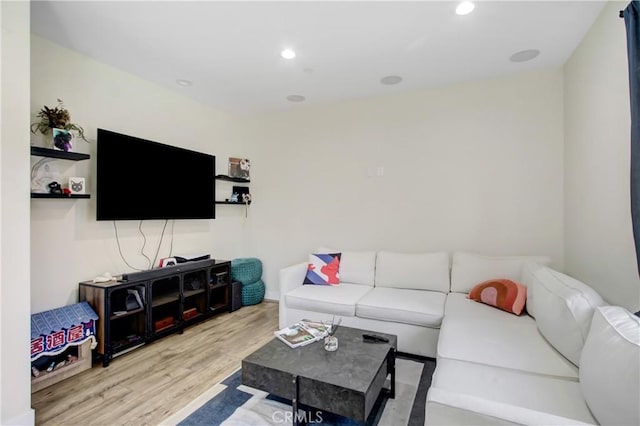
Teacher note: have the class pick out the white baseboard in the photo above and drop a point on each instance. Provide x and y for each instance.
(28, 418)
(272, 296)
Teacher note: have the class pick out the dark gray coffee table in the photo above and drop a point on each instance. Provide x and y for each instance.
(345, 382)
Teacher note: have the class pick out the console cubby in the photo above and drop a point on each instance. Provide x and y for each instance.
(165, 316)
(219, 289)
(127, 330)
(165, 290)
(194, 293)
(165, 304)
(171, 298)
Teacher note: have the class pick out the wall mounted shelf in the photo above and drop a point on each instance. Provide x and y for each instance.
(70, 196)
(231, 202)
(61, 155)
(54, 153)
(232, 179)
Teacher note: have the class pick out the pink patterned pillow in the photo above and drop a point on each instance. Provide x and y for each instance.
(501, 293)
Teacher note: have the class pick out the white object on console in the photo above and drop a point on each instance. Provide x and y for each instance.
(104, 278)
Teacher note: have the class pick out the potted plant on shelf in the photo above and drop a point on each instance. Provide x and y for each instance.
(58, 121)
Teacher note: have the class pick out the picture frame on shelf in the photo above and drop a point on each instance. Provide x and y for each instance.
(239, 168)
(62, 140)
(77, 185)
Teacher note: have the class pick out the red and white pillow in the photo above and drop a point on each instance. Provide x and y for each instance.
(323, 269)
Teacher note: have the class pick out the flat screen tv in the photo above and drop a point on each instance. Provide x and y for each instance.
(140, 179)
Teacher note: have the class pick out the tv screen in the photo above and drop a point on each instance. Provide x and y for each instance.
(140, 179)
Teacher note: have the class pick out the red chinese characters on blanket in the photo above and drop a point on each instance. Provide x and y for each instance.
(57, 340)
(37, 345)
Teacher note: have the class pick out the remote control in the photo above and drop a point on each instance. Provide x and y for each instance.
(374, 338)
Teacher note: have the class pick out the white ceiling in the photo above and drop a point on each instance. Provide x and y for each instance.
(231, 50)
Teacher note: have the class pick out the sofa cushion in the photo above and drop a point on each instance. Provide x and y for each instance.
(609, 366)
(356, 267)
(455, 409)
(564, 308)
(478, 333)
(532, 391)
(333, 300)
(323, 269)
(469, 269)
(502, 294)
(418, 307)
(419, 271)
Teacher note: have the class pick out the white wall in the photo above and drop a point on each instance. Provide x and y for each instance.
(598, 233)
(67, 244)
(476, 167)
(15, 389)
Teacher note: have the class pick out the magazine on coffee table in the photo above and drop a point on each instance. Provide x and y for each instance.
(302, 333)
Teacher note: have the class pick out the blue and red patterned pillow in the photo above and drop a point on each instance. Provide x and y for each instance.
(323, 269)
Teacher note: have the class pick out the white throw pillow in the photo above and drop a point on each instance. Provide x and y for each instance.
(419, 271)
(610, 367)
(469, 269)
(356, 267)
(564, 308)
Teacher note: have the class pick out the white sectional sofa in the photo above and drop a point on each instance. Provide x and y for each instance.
(571, 359)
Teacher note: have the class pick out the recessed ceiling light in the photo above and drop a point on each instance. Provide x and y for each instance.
(524, 55)
(296, 98)
(391, 79)
(184, 82)
(288, 54)
(465, 8)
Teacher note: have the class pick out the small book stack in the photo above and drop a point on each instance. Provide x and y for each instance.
(302, 333)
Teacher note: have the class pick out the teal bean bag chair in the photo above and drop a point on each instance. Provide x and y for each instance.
(253, 293)
(246, 270)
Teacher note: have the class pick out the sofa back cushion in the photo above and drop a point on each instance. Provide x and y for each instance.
(419, 271)
(469, 269)
(356, 267)
(528, 277)
(564, 308)
(610, 367)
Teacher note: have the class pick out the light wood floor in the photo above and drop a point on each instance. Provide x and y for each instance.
(151, 383)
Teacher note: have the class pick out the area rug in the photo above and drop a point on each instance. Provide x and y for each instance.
(230, 403)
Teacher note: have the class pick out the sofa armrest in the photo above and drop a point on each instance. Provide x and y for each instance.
(452, 408)
(291, 277)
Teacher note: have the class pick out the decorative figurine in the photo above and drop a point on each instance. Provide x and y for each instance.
(55, 188)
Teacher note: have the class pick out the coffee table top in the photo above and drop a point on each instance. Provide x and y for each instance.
(353, 366)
